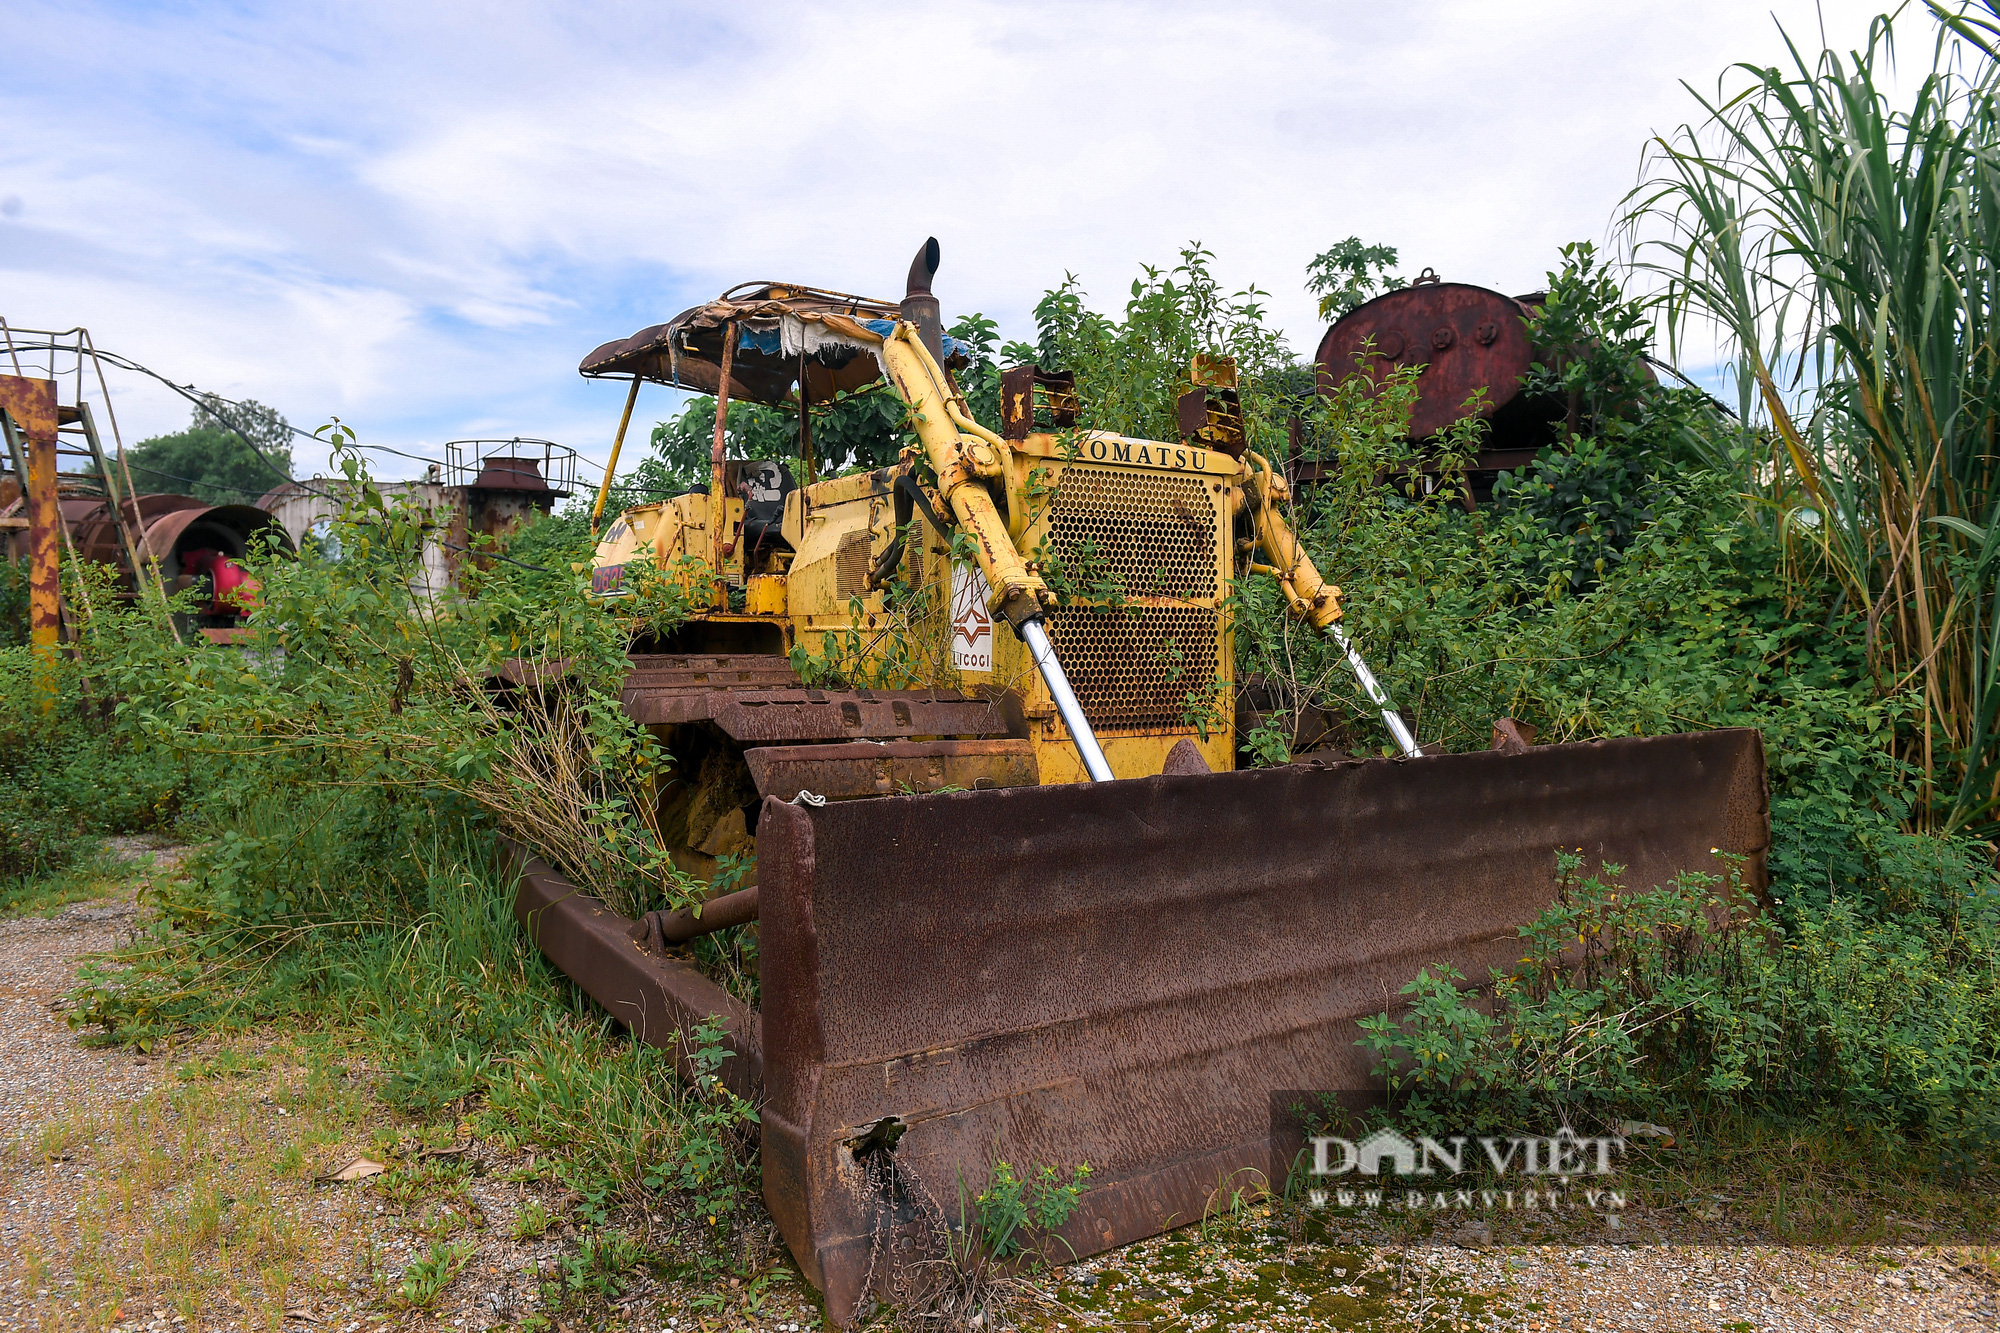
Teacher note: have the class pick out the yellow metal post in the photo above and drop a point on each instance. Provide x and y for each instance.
(617, 443)
(31, 405)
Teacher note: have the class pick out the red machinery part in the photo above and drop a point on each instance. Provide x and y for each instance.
(232, 589)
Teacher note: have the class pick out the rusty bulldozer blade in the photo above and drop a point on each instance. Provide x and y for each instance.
(1121, 973)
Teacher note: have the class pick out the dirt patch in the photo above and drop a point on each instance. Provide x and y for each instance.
(184, 1190)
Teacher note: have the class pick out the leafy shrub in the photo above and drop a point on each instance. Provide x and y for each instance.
(1662, 1000)
(67, 769)
(555, 541)
(1350, 274)
(1131, 372)
(1595, 499)
(34, 838)
(13, 603)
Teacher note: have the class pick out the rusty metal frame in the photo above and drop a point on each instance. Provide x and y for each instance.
(1024, 389)
(659, 998)
(839, 715)
(1122, 973)
(667, 688)
(840, 772)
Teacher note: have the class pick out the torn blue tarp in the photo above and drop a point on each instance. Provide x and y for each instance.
(770, 341)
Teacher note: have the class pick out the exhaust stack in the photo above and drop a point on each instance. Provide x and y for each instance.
(919, 307)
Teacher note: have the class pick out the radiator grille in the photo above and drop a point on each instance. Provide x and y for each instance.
(1156, 533)
(850, 565)
(1133, 667)
(1122, 669)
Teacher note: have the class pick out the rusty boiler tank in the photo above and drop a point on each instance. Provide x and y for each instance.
(1465, 339)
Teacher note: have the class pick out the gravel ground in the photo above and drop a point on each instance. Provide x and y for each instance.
(345, 1243)
(42, 1069)
(45, 1076)
(94, 1139)
(1244, 1279)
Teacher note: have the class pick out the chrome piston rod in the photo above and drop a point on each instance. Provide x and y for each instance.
(1039, 648)
(1398, 728)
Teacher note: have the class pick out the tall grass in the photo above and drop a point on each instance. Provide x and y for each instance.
(1843, 238)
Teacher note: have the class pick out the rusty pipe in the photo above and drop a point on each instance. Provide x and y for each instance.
(682, 925)
(718, 498)
(923, 268)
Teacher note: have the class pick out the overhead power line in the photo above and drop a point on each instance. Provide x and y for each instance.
(205, 402)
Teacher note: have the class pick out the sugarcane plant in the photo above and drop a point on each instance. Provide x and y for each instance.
(1839, 238)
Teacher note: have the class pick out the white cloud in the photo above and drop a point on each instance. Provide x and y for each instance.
(421, 217)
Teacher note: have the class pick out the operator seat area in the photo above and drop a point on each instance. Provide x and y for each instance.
(764, 483)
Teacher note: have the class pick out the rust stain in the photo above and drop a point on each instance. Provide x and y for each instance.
(845, 772)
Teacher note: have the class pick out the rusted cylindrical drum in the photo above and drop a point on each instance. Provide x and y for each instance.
(1466, 338)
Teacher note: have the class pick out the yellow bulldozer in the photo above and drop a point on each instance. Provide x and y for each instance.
(933, 577)
(971, 712)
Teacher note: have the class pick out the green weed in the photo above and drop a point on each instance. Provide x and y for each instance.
(1837, 234)
(86, 872)
(426, 1278)
(1681, 1000)
(1014, 1209)
(59, 1140)
(531, 1220)
(226, 1063)
(600, 1266)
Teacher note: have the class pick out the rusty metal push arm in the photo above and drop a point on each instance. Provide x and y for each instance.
(964, 455)
(1310, 597)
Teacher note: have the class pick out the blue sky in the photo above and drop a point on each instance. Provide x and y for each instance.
(419, 217)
